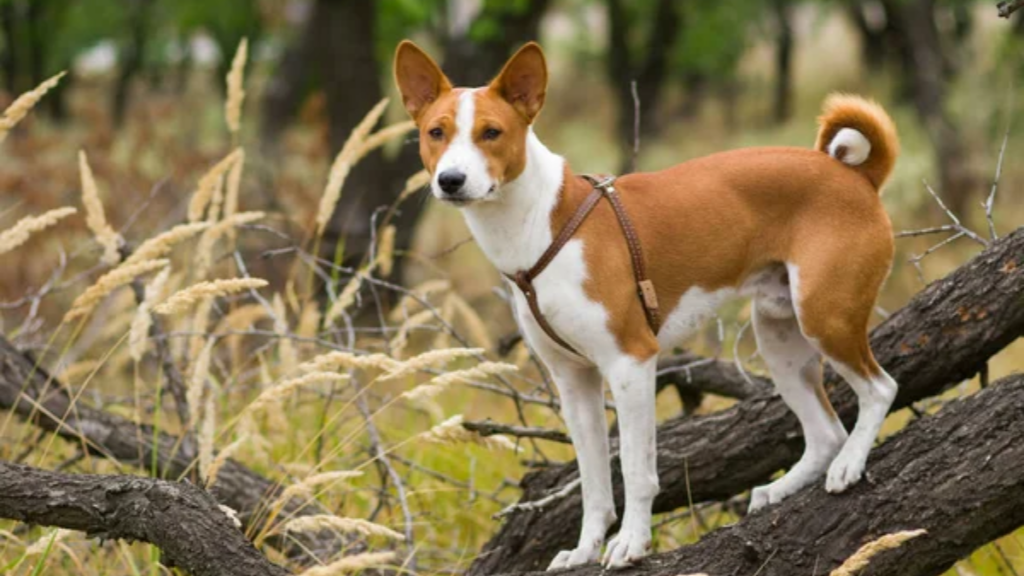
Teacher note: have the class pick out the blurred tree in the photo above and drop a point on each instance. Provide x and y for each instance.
(783, 99)
(30, 53)
(475, 52)
(905, 33)
(644, 60)
(131, 55)
(345, 48)
(336, 51)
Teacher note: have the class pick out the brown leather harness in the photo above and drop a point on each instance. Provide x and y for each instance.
(645, 288)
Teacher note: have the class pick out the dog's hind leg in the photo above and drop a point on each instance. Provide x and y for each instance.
(632, 384)
(834, 307)
(795, 367)
(582, 395)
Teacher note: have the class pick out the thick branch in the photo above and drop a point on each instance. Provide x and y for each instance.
(692, 374)
(958, 474)
(944, 335)
(179, 518)
(35, 395)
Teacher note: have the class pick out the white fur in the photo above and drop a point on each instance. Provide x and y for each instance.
(857, 146)
(874, 398)
(463, 155)
(694, 307)
(795, 366)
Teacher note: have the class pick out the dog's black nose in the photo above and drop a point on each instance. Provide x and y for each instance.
(451, 181)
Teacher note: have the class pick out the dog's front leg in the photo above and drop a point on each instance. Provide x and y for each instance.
(632, 384)
(582, 395)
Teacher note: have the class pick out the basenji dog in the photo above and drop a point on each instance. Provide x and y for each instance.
(801, 231)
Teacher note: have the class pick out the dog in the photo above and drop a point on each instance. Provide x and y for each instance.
(800, 231)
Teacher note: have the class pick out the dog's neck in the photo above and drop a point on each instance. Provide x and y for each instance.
(514, 229)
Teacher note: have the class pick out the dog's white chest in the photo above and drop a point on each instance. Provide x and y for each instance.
(576, 318)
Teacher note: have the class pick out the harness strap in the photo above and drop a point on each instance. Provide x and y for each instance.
(645, 288)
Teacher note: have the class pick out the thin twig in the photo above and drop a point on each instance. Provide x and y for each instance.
(539, 504)
(991, 200)
(489, 428)
(636, 125)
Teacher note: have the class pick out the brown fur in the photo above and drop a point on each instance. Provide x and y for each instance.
(710, 222)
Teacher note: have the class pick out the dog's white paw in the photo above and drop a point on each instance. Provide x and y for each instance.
(759, 498)
(845, 470)
(627, 547)
(570, 558)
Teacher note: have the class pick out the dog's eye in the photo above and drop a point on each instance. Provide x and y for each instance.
(491, 134)
(436, 133)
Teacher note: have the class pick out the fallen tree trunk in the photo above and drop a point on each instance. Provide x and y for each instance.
(33, 394)
(944, 335)
(958, 474)
(192, 532)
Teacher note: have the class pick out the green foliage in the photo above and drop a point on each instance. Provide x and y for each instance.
(400, 19)
(714, 36)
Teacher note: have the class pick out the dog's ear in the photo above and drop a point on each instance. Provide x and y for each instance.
(419, 78)
(523, 81)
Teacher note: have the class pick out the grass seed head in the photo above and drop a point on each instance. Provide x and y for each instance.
(236, 90)
(109, 282)
(186, 298)
(17, 235)
(854, 564)
(95, 218)
(20, 107)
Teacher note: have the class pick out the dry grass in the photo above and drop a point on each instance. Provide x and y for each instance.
(860, 559)
(184, 299)
(305, 381)
(20, 232)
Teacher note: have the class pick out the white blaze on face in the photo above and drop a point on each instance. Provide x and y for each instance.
(463, 155)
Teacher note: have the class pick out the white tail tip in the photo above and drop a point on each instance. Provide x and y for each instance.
(849, 147)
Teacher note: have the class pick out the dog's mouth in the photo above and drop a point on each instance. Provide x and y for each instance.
(463, 201)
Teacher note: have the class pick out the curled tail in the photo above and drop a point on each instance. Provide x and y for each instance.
(859, 133)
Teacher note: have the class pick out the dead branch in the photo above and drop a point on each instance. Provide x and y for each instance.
(33, 394)
(697, 374)
(943, 336)
(184, 521)
(490, 428)
(958, 474)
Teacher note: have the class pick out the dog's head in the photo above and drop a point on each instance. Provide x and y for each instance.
(472, 140)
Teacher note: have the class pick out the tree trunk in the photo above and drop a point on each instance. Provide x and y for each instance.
(649, 75)
(184, 521)
(944, 335)
(30, 392)
(337, 49)
(958, 474)
(8, 16)
(132, 62)
(783, 100)
(927, 70)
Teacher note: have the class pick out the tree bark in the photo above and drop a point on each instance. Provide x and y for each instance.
(958, 474)
(179, 518)
(33, 394)
(694, 376)
(944, 335)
